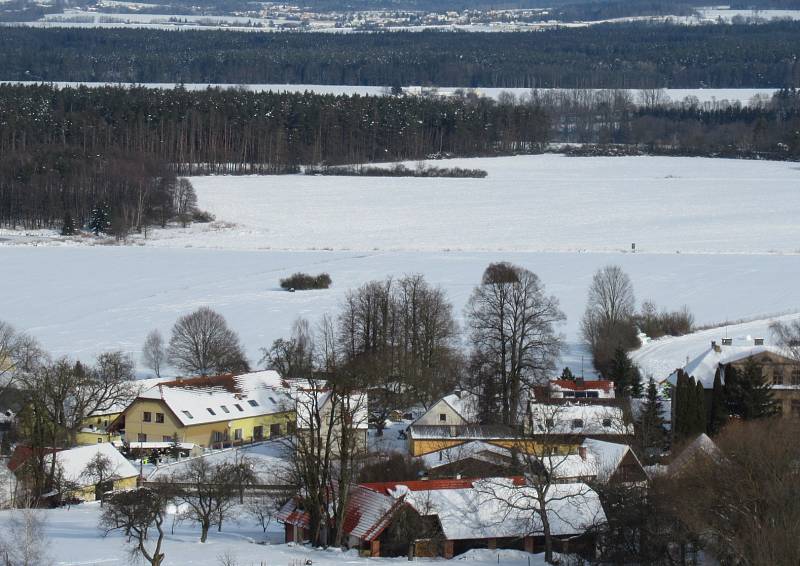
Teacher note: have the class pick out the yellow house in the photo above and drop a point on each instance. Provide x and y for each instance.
(426, 439)
(210, 411)
(95, 429)
(73, 465)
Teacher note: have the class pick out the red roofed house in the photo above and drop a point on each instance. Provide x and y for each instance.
(449, 517)
(581, 389)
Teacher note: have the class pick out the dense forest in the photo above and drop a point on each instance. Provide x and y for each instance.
(603, 56)
(76, 152)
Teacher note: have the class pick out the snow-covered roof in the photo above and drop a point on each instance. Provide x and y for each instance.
(463, 403)
(222, 398)
(702, 445)
(496, 508)
(139, 386)
(73, 462)
(580, 419)
(270, 461)
(704, 367)
(461, 432)
(477, 450)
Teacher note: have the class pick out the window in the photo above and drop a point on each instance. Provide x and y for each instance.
(606, 423)
(141, 437)
(258, 432)
(272, 400)
(796, 376)
(238, 406)
(549, 423)
(224, 409)
(795, 408)
(442, 418)
(188, 414)
(777, 375)
(577, 423)
(218, 436)
(237, 434)
(147, 416)
(167, 438)
(593, 394)
(290, 427)
(252, 402)
(275, 429)
(99, 440)
(159, 417)
(211, 411)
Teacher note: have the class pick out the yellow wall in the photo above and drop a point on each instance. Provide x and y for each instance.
(421, 447)
(201, 434)
(84, 438)
(87, 493)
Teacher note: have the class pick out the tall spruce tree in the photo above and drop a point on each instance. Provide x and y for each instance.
(719, 405)
(649, 426)
(625, 375)
(749, 395)
(68, 226)
(680, 403)
(700, 415)
(100, 219)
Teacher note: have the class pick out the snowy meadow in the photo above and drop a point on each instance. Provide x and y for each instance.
(719, 236)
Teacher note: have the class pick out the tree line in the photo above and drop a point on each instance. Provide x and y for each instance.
(602, 56)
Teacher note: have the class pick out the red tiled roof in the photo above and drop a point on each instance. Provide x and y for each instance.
(225, 381)
(603, 384)
(23, 453)
(429, 485)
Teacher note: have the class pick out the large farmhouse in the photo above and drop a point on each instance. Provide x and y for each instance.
(210, 411)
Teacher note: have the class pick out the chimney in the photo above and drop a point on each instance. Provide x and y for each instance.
(457, 393)
(758, 341)
(716, 347)
(582, 452)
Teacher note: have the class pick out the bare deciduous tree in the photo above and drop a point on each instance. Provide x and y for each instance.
(787, 335)
(100, 470)
(154, 353)
(207, 490)
(19, 353)
(608, 321)
(24, 543)
(512, 337)
(201, 343)
(136, 512)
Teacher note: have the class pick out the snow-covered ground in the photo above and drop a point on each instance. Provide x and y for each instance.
(527, 203)
(742, 96)
(561, 217)
(72, 538)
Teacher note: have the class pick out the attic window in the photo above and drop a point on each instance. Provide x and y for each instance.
(224, 409)
(188, 414)
(606, 422)
(210, 410)
(252, 402)
(238, 406)
(577, 423)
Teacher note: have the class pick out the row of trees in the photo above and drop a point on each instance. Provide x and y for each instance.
(603, 56)
(745, 395)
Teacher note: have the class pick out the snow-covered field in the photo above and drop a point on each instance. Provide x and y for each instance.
(741, 96)
(561, 217)
(527, 203)
(72, 538)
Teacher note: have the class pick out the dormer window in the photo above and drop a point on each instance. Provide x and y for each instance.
(211, 411)
(252, 402)
(187, 414)
(238, 406)
(224, 409)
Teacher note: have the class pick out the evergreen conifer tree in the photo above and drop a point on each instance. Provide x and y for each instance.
(567, 374)
(700, 416)
(100, 219)
(719, 406)
(681, 406)
(650, 424)
(68, 226)
(752, 395)
(625, 375)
